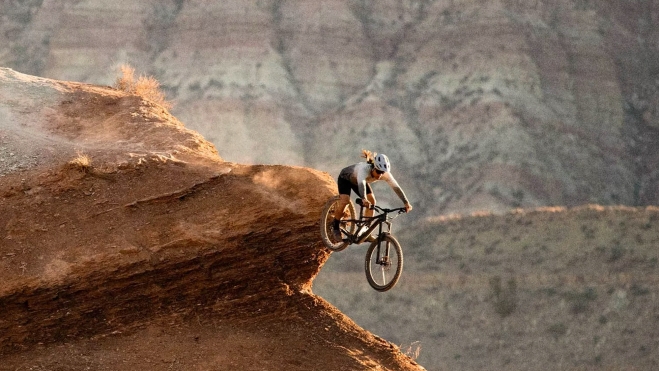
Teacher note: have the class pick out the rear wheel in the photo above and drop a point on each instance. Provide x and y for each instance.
(384, 263)
(327, 219)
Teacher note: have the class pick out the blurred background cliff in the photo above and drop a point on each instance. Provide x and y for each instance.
(481, 105)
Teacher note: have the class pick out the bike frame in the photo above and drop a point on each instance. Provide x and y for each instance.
(375, 221)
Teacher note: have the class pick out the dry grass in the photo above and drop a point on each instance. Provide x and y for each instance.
(146, 87)
(412, 350)
(81, 162)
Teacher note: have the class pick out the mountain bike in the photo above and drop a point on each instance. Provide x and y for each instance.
(384, 257)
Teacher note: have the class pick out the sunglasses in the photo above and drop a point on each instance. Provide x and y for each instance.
(379, 172)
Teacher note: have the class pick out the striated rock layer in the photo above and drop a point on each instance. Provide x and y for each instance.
(120, 226)
(481, 105)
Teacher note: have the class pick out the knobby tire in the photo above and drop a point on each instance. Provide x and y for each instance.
(327, 218)
(384, 277)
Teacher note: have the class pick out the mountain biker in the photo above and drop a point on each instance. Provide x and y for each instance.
(357, 178)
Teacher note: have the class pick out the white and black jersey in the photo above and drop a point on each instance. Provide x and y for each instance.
(359, 176)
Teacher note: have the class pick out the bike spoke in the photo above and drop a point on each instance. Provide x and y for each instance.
(384, 264)
(384, 275)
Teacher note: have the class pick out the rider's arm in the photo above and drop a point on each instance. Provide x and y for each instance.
(389, 178)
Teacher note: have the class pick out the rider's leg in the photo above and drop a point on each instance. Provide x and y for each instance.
(345, 187)
(369, 212)
(338, 214)
(343, 202)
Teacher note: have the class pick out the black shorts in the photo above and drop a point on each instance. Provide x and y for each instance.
(345, 186)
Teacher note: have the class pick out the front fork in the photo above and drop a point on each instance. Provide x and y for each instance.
(383, 259)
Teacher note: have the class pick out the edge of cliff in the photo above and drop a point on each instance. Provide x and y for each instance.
(127, 242)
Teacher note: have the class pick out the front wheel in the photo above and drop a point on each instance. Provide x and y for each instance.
(384, 263)
(327, 218)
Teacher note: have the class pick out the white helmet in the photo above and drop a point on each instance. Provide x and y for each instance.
(381, 163)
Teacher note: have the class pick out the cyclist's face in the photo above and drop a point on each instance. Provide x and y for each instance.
(376, 174)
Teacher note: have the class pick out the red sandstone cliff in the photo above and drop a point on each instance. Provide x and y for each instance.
(127, 243)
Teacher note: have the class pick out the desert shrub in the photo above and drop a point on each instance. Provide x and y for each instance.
(617, 252)
(638, 290)
(589, 232)
(81, 162)
(505, 300)
(557, 330)
(146, 87)
(412, 350)
(580, 301)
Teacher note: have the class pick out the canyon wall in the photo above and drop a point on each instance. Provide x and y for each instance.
(480, 104)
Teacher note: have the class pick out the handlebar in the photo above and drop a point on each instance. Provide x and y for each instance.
(382, 209)
(400, 210)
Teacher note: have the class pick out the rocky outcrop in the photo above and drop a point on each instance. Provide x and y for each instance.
(116, 218)
(480, 105)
